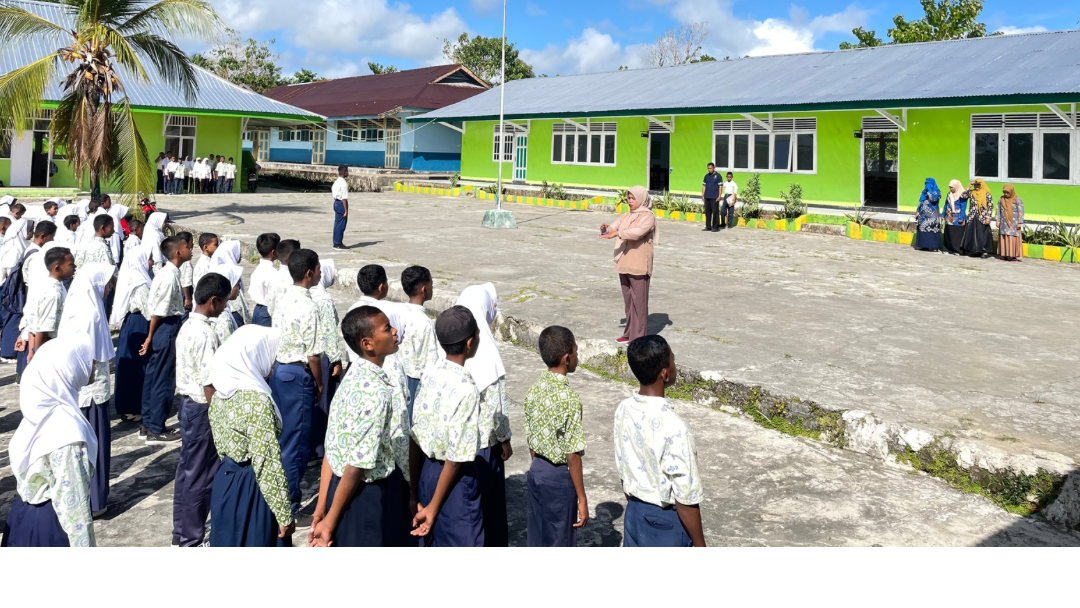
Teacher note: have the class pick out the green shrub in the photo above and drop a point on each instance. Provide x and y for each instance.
(750, 211)
(751, 194)
(793, 205)
(556, 192)
(623, 197)
(454, 179)
(861, 217)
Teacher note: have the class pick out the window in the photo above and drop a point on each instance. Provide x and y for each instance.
(246, 136)
(588, 144)
(1032, 148)
(507, 139)
(299, 134)
(180, 134)
(351, 131)
(744, 145)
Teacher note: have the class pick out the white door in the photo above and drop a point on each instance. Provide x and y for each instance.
(393, 148)
(22, 158)
(521, 158)
(262, 145)
(318, 146)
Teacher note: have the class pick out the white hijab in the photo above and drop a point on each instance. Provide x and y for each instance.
(227, 254)
(49, 400)
(84, 310)
(7, 199)
(38, 270)
(329, 271)
(487, 366)
(153, 235)
(134, 272)
(118, 212)
(15, 237)
(243, 362)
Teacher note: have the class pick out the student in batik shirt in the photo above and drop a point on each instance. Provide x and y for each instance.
(361, 489)
(51, 452)
(489, 374)
(655, 456)
(446, 421)
(208, 244)
(225, 324)
(250, 497)
(166, 304)
(227, 256)
(98, 249)
(556, 484)
(131, 310)
(262, 278)
(45, 297)
(196, 344)
(297, 379)
(187, 271)
(282, 279)
(331, 358)
(134, 238)
(84, 314)
(419, 346)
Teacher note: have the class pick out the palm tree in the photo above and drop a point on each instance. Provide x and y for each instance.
(103, 43)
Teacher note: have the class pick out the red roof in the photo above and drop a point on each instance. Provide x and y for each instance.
(426, 88)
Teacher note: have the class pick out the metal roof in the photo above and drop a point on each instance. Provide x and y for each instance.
(1022, 68)
(424, 88)
(215, 95)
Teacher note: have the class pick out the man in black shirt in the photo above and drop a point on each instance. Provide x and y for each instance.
(710, 195)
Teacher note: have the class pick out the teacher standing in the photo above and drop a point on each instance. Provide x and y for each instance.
(340, 191)
(637, 232)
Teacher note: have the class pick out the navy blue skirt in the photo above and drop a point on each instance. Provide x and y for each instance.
(928, 240)
(130, 367)
(461, 520)
(33, 526)
(648, 525)
(552, 505)
(98, 417)
(491, 472)
(240, 515)
(374, 517)
(9, 333)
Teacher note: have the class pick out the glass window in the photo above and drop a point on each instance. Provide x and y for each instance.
(987, 154)
(782, 152)
(1055, 156)
(742, 152)
(569, 148)
(1021, 155)
(594, 149)
(722, 151)
(761, 151)
(556, 148)
(609, 149)
(582, 147)
(804, 154)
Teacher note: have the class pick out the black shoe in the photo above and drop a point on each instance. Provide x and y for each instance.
(706, 229)
(340, 246)
(142, 431)
(716, 229)
(166, 437)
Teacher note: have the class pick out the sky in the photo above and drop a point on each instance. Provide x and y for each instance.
(337, 38)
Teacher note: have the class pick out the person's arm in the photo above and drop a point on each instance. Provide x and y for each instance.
(573, 462)
(315, 363)
(314, 350)
(266, 462)
(703, 191)
(208, 392)
(36, 342)
(187, 297)
(352, 479)
(416, 464)
(424, 520)
(690, 516)
(345, 204)
(320, 504)
(644, 227)
(155, 322)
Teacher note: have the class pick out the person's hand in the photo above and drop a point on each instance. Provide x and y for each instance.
(507, 451)
(145, 348)
(336, 370)
(318, 392)
(582, 512)
(315, 519)
(609, 236)
(346, 213)
(30, 356)
(187, 303)
(424, 521)
(286, 531)
(321, 535)
(603, 228)
(20, 345)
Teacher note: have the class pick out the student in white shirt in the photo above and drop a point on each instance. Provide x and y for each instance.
(230, 175)
(180, 178)
(263, 277)
(340, 191)
(170, 175)
(731, 196)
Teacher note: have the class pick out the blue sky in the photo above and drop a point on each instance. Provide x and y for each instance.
(337, 38)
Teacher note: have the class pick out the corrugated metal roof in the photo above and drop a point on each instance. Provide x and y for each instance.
(215, 94)
(372, 95)
(994, 69)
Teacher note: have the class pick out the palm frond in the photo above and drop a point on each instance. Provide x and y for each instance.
(134, 172)
(84, 131)
(17, 24)
(90, 12)
(122, 50)
(194, 18)
(171, 63)
(22, 91)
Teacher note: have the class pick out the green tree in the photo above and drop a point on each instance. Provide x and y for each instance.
(483, 57)
(942, 20)
(378, 68)
(93, 122)
(247, 63)
(305, 76)
(705, 57)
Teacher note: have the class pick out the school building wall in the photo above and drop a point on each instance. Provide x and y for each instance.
(430, 147)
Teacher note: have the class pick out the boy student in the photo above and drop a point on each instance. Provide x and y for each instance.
(731, 196)
(195, 346)
(655, 456)
(419, 346)
(446, 419)
(166, 304)
(187, 270)
(297, 378)
(361, 488)
(134, 239)
(283, 278)
(98, 249)
(170, 174)
(340, 191)
(208, 244)
(556, 485)
(66, 237)
(161, 162)
(230, 175)
(262, 278)
(45, 299)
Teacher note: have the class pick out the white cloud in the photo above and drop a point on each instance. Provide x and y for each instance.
(485, 7)
(533, 10)
(1008, 29)
(591, 52)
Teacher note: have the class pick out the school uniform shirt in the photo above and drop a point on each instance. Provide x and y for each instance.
(131, 242)
(283, 280)
(172, 167)
(494, 414)
(654, 452)
(420, 347)
(298, 320)
(180, 170)
(139, 302)
(28, 256)
(446, 414)
(96, 251)
(44, 305)
(340, 189)
(358, 430)
(66, 238)
(99, 390)
(187, 275)
(328, 329)
(730, 188)
(199, 271)
(711, 183)
(553, 418)
(246, 430)
(165, 298)
(259, 287)
(230, 171)
(224, 326)
(163, 163)
(196, 343)
(400, 425)
(63, 477)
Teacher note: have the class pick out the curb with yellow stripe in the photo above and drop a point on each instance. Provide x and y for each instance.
(487, 196)
(794, 225)
(1037, 252)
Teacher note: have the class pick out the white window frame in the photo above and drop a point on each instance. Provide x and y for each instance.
(772, 127)
(1042, 123)
(182, 122)
(509, 142)
(587, 130)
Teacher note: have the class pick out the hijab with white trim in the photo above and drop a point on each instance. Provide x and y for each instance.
(487, 366)
(243, 362)
(84, 310)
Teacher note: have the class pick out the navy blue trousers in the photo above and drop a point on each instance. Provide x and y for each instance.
(491, 472)
(340, 221)
(461, 519)
(414, 388)
(261, 316)
(159, 386)
(293, 389)
(552, 503)
(241, 516)
(98, 416)
(9, 333)
(321, 414)
(374, 516)
(130, 367)
(648, 525)
(33, 526)
(20, 362)
(194, 474)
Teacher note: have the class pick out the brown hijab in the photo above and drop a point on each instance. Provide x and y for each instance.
(1007, 202)
(641, 195)
(979, 195)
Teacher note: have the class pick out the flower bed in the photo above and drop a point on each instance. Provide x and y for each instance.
(1038, 252)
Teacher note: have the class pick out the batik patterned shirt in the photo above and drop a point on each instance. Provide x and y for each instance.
(654, 452)
(97, 250)
(246, 429)
(401, 426)
(224, 326)
(166, 298)
(328, 329)
(276, 286)
(100, 389)
(553, 418)
(358, 431)
(446, 414)
(44, 306)
(187, 275)
(63, 477)
(138, 303)
(298, 320)
(196, 343)
(201, 268)
(494, 414)
(420, 347)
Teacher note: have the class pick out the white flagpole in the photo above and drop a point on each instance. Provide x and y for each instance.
(502, 126)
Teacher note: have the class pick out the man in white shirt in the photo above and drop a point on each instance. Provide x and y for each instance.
(731, 196)
(170, 174)
(340, 191)
(230, 175)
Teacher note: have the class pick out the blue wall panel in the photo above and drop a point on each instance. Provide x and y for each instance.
(431, 161)
(285, 155)
(355, 158)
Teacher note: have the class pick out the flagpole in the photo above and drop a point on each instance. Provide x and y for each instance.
(502, 126)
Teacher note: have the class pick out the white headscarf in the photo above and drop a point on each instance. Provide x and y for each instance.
(49, 400)
(153, 235)
(116, 242)
(16, 235)
(134, 272)
(84, 310)
(38, 270)
(487, 366)
(227, 254)
(243, 362)
(329, 271)
(7, 199)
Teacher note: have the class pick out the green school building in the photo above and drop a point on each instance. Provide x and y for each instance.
(861, 127)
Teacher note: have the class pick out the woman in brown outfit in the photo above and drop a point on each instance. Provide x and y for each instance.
(1010, 220)
(637, 232)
